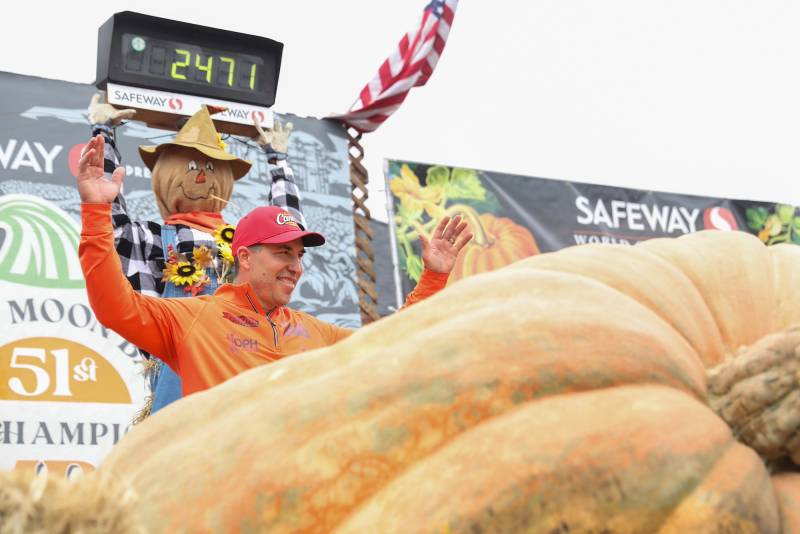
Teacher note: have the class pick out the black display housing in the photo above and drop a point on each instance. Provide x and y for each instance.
(111, 57)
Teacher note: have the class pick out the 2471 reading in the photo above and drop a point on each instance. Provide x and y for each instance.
(190, 64)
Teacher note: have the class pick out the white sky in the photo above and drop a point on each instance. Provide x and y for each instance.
(688, 96)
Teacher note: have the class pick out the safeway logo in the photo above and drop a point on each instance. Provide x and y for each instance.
(718, 218)
(33, 156)
(175, 104)
(258, 115)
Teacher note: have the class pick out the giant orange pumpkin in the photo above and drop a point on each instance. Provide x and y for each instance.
(564, 393)
(787, 487)
(497, 242)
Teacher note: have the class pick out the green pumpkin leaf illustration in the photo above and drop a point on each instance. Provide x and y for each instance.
(437, 175)
(796, 229)
(407, 216)
(465, 184)
(756, 218)
(785, 213)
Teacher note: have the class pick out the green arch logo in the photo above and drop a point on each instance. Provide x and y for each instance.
(40, 245)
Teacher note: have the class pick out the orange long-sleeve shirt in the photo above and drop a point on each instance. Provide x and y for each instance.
(208, 339)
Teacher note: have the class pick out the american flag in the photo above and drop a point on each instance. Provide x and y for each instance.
(409, 66)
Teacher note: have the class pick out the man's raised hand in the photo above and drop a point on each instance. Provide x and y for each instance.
(92, 183)
(449, 237)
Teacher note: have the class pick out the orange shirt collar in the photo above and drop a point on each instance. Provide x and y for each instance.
(242, 294)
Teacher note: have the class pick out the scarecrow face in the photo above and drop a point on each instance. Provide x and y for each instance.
(185, 179)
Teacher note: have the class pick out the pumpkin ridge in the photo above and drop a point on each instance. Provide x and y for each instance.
(699, 292)
(419, 459)
(717, 458)
(692, 283)
(712, 497)
(710, 352)
(530, 398)
(631, 299)
(694, 253)
(708, 459)
(784, 258)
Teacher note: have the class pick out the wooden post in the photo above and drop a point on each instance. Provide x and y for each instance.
(365, 255)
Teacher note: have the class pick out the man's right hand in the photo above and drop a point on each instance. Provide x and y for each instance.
(92, 184)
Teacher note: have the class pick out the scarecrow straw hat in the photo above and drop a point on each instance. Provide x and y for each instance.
(198, 133)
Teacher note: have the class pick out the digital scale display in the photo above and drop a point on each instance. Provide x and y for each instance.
(168, 55)
(204, 67)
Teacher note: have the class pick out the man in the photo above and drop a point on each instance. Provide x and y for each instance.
(209, 339)
(193, 178)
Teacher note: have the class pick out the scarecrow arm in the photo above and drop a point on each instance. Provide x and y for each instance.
(283, 189)
(138, 245)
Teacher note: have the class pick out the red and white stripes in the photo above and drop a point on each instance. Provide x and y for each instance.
(410, 65)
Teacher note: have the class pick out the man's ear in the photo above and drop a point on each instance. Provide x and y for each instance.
(243, 255)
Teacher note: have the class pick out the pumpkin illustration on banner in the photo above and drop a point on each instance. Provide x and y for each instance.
(498, 241)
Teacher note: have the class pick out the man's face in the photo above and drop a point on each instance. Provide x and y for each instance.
(273, 271)
(187, 180)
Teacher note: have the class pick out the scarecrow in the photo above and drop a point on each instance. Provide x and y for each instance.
(192, 178)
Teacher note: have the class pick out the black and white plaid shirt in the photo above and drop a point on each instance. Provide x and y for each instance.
(139, 244)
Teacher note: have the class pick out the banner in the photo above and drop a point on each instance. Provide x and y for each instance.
(513, 216)
(68, 386)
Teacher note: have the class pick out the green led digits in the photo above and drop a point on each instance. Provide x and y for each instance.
(232, 62)
(175, 64)
(204, 70)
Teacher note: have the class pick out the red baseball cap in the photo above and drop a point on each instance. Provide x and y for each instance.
(271, 224)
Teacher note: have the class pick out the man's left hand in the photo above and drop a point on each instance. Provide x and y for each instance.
(450, 236)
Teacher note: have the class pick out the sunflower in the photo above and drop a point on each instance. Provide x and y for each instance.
(202, 256)
(183, 273)
(225, 252)
(224, 234)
